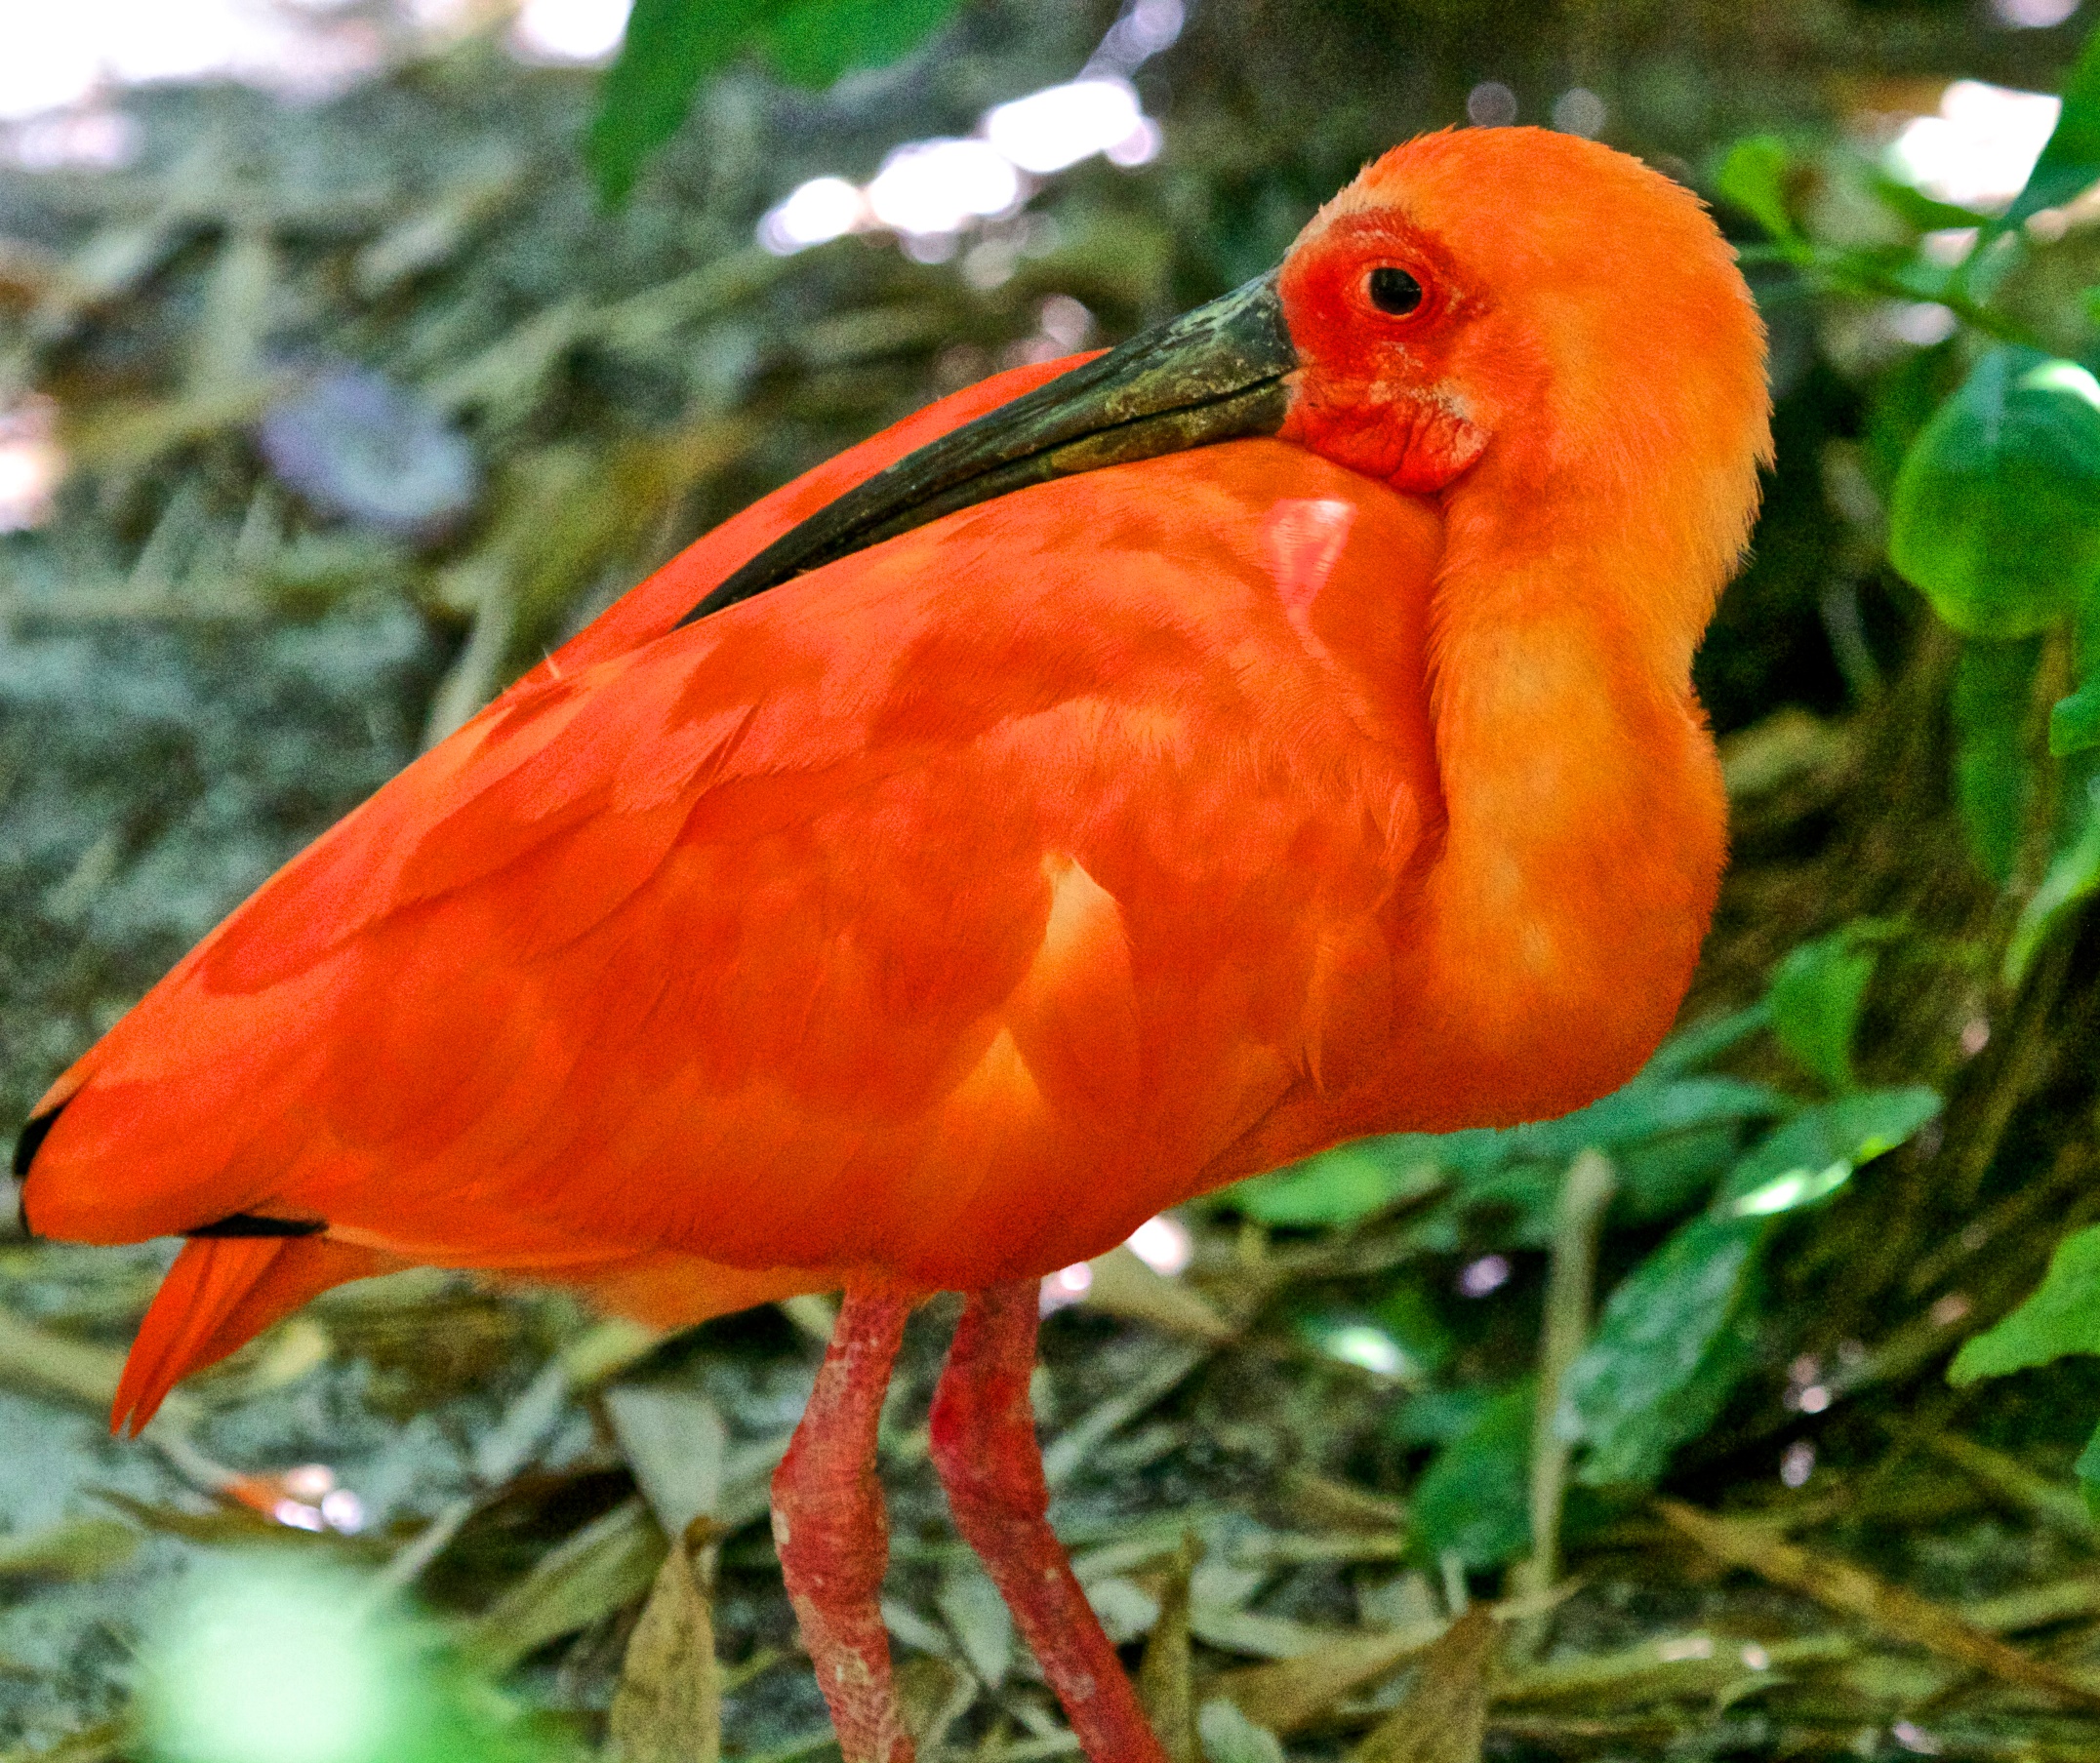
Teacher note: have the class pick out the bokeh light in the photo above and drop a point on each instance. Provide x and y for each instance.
(60, 55)
(940, 187)
(271, 1662)
(1978, 150)
(571, 30)
(1067, 1286)
(1491, 106)
(1163, 1244)
(929, 193)
(1059, 126)
(31, 464)
(2032, 15)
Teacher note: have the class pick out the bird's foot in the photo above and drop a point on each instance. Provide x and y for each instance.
(833, 1531)
(984, 1450)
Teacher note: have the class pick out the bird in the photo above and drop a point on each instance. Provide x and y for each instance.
(1132, 773)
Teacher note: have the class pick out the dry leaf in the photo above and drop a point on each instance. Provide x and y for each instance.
(1230, 1736)
(674, 1441)
(667, 1708)
(1444, 1715)
(931, 1695)
(1840, 1586)
(1124, 1286)
(1293, 1693)
(585, 1575)
(978, 1617)
(1165, 1683)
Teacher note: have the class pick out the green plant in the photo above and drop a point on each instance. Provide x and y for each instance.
(1721, 1163)
(672, 48)
(1994, 502)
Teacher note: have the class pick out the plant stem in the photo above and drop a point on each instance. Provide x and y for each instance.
(1586, 1192)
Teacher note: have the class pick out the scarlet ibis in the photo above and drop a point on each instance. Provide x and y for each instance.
(1121, 777)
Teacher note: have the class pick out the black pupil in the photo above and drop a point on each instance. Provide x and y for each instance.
(1394, 291)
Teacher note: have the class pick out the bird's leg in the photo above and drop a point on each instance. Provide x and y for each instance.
(984, 1447)
(834, 1534)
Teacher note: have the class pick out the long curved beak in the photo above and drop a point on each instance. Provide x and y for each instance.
(1216, 373)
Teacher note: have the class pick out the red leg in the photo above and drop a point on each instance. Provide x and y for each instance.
(984, 1447)
(834, 1534)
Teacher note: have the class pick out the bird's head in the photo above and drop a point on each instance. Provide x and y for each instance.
(1525, 292)
(1517, 307)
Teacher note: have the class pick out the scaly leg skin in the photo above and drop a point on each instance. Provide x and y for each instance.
(984, 1447)
(834, 1534)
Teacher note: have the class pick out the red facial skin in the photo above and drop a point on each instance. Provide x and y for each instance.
(1366, 396)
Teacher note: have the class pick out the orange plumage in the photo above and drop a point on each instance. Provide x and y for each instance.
(931, 919)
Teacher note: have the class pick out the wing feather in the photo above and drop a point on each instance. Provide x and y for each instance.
(945, 911)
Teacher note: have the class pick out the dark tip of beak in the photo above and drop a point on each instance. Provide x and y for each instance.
(1216, 373)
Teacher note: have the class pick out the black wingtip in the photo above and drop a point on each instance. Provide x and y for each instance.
(240, 1223)
(34, 1132)
(249, 1223)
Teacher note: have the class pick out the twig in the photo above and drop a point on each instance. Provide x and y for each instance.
(2012, 1481)
(1838, 1584)
(1070, 1448)
(81, 1373)
(1586, 1192)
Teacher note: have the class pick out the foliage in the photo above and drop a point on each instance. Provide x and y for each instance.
(1995, 509)
(1680, 1331)
(2060, 1319)
(673, 46)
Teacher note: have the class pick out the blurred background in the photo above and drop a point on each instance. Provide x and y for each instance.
(335, 391)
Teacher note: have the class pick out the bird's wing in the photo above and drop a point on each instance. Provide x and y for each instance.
(944, 911)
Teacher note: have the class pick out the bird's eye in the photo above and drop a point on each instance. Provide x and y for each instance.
(1394, 291)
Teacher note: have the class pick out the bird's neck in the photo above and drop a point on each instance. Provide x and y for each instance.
(1584, 815)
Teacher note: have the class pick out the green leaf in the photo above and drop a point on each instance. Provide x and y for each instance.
(1996, 515)
(1815, 995)
(2070, 163)
(673, 46)
(1843, 1134)
(2087, 1471)
(1754, 177)
(817, 42)
(2068, 884)
(1473, 1500)
(1437, 1417)
(1414, 1324)
(1901, 399)
(1994, 687)
(1643, 1110)
(2074, 721)
(1672, 1175)
(1517, 1168)
(2061, 1316)
(271, 1655)
(1673, 1342)
(1914, 207)
(1678, 1333)
(1350, 1183)
(1687, 1049)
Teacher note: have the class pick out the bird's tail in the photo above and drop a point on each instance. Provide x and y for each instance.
(221, 1293)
